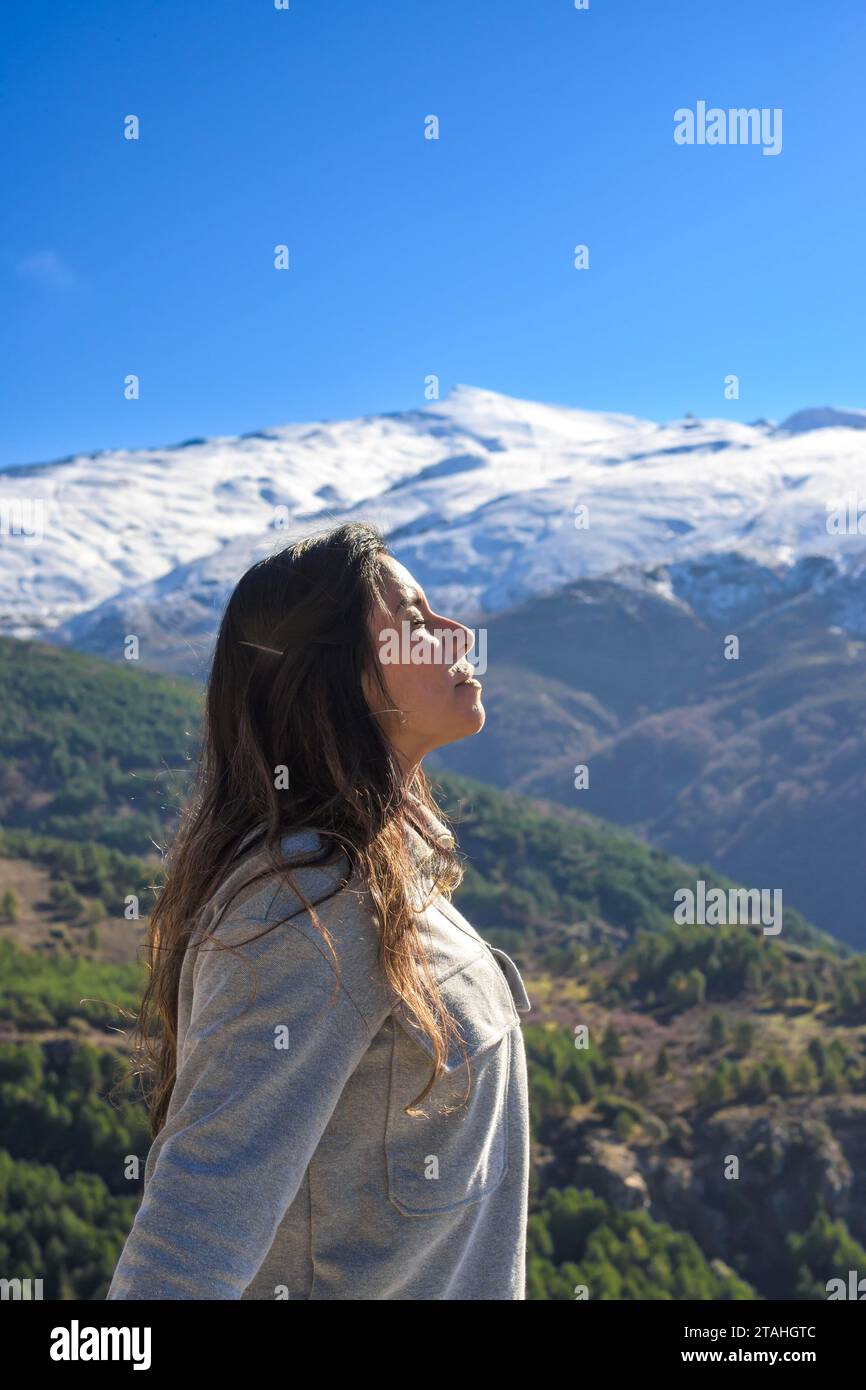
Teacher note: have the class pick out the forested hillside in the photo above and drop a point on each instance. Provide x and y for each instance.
(656, 1052)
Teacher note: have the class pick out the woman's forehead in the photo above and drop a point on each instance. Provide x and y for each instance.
(397, 580)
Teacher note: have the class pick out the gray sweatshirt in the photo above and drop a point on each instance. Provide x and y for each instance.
(287, 1167)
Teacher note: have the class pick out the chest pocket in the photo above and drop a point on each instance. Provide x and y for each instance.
(456, 1152)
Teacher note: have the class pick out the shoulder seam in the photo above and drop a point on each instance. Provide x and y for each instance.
(315, 940)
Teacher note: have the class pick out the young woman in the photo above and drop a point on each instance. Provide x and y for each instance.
(339, 1097)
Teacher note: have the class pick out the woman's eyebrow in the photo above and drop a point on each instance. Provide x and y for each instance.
(410, 596)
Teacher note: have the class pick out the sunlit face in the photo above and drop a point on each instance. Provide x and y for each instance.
(423, 663)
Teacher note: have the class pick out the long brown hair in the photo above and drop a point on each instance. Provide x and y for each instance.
(285, 692)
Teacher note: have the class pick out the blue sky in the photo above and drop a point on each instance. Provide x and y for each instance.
(411, 256)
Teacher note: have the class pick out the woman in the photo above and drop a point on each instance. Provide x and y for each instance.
(339, 1097)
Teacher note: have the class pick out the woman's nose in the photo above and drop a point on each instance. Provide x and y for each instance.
(465, 637)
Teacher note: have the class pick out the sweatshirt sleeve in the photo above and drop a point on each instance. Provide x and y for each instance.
(266, 1056)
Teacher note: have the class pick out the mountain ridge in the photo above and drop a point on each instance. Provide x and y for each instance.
(479, 493)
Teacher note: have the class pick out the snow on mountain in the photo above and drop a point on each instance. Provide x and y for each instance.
(823, 417)
(477, 494)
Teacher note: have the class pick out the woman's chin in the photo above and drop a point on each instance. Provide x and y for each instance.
(475, 718)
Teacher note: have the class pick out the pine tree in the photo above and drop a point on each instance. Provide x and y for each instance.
(718, 1031)
(9, 906)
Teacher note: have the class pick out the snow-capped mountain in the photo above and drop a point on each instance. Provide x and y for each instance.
(823, 417)
(489, 500)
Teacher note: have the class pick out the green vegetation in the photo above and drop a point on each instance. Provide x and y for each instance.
(38, 991)
(65, 1230)
(563, 1075)
(529, 867)
(823, 1252)
(90, 751)
(65, 1152)
(819, 1070)
(86, 870)
(580, 1247)
(683, 1023)
(60, 1105)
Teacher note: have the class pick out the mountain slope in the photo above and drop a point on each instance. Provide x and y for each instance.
(700, 1042)
(756, 765)
(100, 754)
(476, 492)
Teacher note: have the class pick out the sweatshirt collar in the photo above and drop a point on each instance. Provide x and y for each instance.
(439, 832)
(307, 841)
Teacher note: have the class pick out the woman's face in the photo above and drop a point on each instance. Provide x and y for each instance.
(423, 663)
